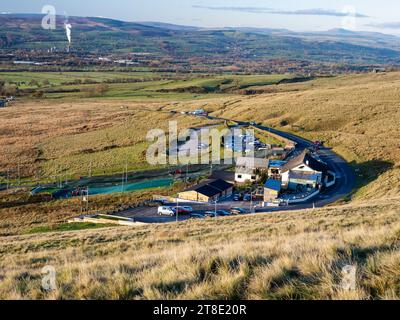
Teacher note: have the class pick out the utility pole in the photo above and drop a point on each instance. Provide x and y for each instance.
(177, 209)
(8, 179)
(19, 174)
(251, 201)
(126, 171)
(87, 200)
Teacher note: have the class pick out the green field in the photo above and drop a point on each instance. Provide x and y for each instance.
(136, 86)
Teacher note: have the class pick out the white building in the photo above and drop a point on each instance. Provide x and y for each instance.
(250, 169)
(304, 171)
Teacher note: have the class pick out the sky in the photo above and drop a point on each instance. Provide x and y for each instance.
(304, 15)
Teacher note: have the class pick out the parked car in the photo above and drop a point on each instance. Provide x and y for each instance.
(209, 214)
(237, 211)
(237, 197)
(223, 213)
(247, 197)
(196, 216)
(183, 210)
(166, 211)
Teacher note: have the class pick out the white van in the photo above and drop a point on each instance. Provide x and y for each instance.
(166, 211)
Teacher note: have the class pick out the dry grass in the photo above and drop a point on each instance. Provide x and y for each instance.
(50, 138)
(297, 255)
(20, 213)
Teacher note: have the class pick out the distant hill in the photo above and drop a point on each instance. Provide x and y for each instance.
(101, 35)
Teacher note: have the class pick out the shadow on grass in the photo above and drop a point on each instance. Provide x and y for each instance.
(369, 171)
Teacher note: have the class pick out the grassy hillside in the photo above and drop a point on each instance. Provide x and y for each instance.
(297, 255)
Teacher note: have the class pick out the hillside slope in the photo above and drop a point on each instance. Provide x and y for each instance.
(296, 255)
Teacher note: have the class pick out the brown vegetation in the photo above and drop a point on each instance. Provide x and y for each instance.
(297, 255)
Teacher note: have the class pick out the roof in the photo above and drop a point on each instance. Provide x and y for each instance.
(208, 191)
(220, 185)
(276, 163)
(213, 188)
(252, 163)
(273, 185)
(303, 176)
(306, 159)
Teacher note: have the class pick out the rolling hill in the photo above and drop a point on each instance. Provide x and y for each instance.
(100, 35)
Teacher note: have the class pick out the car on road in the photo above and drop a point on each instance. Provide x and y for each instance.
(237, 211)
(166, 211)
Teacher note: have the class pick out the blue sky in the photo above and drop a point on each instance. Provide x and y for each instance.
(305, 15)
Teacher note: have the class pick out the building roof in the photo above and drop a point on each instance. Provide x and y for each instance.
(208, 191)
(221, 185)
(273, 185)
(306, 159)
(303, 176)
(213, 188)
(276, 163)
(252, 163)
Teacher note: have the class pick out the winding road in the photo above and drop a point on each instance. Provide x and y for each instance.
(345, 177)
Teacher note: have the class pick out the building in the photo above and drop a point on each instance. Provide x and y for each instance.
(3, 103)
(304, 172)
(250, 169)
(275, 169)
(272, 190)
(208, 192)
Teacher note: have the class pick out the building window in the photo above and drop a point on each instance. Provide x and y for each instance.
(239, 176)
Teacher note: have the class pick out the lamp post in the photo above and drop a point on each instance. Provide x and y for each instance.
(177, 210)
